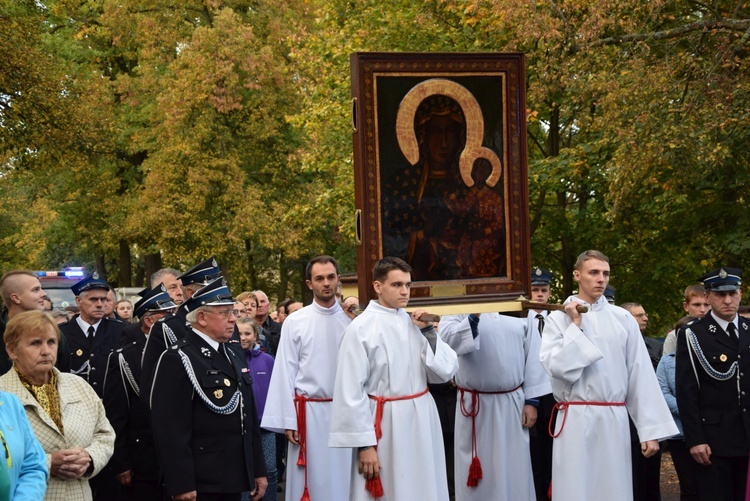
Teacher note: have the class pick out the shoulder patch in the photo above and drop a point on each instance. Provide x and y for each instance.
(179, 344)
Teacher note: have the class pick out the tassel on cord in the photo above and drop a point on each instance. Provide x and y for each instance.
(475, 472)
(374, 487)
(305, 495)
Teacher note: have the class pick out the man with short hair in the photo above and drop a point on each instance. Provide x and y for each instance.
(90, 334)
(713, 354)
(92, 337)
(169, 277)
(387, 357)
(600, 373)
(695, 305)
(269, 328)
(299, 395)
(134, 460)
(110, 304)
(21, 291)
(203, 412)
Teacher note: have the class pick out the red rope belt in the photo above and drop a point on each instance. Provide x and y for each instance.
(563, 407)
(300, 403)
(475, 468)
(373, 485)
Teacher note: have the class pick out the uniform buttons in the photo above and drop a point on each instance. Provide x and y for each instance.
(703, 419)
(94, 383)
(91, 356)
(743, 392)
(93, 368)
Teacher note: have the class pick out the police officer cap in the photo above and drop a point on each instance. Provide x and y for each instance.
(202, 273)
(540, 276)
(609, 294)
(723, 279)
(89, 283)
(214, 294)
(156, 299)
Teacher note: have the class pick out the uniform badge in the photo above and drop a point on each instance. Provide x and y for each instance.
(218, 394)
(723, 357)
(744, 327)
(722, 274)
(226, 382)
(538, 272)
(206, 352)
(712, 328)
(244, 369)
(79, 352)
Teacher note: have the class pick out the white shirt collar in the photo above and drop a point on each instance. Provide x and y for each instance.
(724, 324)
(211, 342)
(85, 326)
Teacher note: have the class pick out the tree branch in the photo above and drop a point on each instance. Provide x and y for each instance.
(703, 25)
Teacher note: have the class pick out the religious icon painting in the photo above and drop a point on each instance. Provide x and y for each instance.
(440, 173)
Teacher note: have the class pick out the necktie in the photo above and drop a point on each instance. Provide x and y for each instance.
(732, 330)
(91, 332)
(540, 318)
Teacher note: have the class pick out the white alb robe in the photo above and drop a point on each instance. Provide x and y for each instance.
(504, 355)
(384, 354)
(603, 361)
(306, 365)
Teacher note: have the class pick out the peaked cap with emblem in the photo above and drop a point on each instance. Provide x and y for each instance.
(540, 276)
(89, 283)
(214, 294)
(723, 279)
(609, 294)
(156, 299)
(202, 273)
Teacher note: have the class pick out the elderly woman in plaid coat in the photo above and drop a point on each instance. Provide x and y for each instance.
(66, 415)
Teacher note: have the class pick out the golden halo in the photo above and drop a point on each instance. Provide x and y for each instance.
(407, 136)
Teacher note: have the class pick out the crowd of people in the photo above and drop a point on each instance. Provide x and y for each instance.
(195, 393)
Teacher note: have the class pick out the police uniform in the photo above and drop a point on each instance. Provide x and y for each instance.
(134, 444)
(203, 414)
(712, 380)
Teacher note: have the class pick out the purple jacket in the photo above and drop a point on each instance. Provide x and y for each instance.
(261, 366)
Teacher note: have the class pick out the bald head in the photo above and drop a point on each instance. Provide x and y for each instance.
(21, 291)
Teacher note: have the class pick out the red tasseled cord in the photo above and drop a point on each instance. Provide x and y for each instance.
(475, 472)
(475, 469)
(374, 487)
(305, 495)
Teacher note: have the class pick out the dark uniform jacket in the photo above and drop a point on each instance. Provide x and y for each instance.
(715, 412)
(134, 443)
(88, 357)
(199, 448)
(157, 342)
(132, 332)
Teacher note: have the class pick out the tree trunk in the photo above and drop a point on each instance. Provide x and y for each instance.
(101, 269)
(152, 263)
(126, 277)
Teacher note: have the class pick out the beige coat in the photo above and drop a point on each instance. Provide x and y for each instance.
(85, 425)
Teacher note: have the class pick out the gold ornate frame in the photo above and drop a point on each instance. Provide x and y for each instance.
(387, 89)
